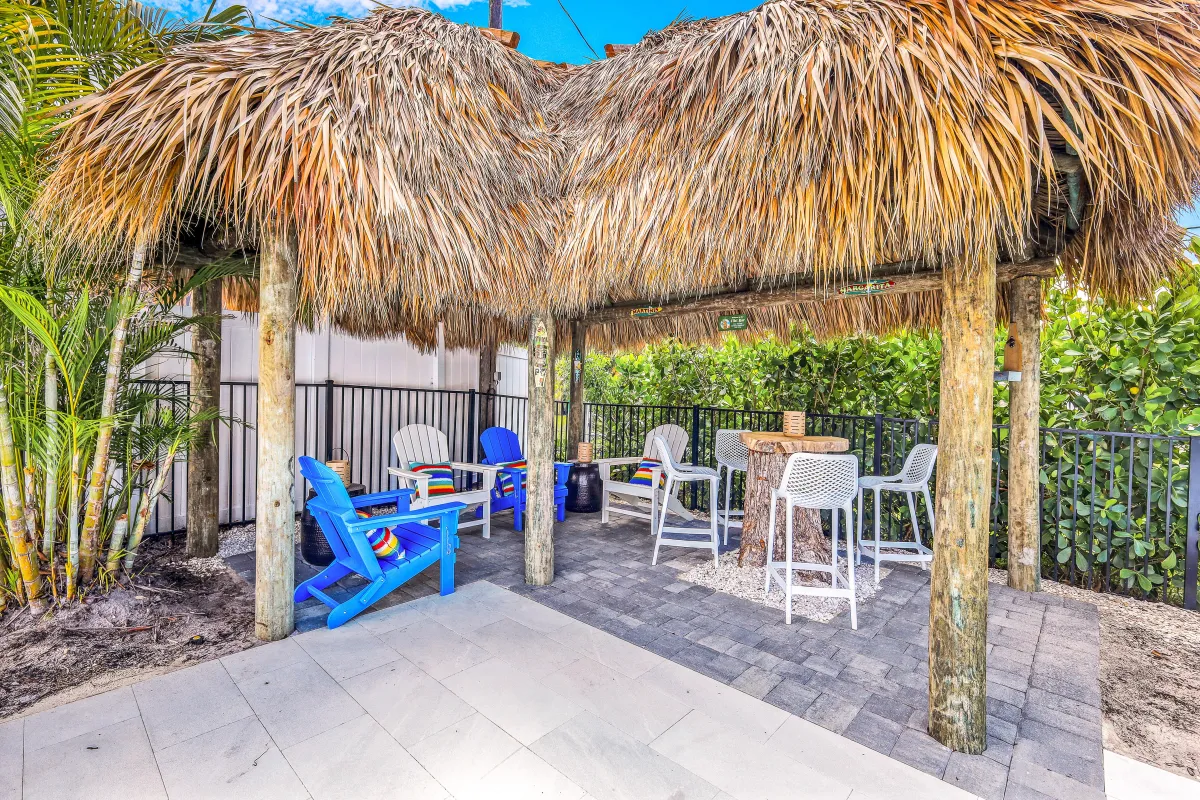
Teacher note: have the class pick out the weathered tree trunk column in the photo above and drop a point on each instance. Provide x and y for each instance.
(958, 602)
(275, 514)
(578, 355)
(203, 478)
(808, 541)
(539, 454)
(1024, 462)
(487, 381)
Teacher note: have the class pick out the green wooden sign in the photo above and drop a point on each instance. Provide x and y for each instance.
(646, 311)
(874, 286)
(733, 322)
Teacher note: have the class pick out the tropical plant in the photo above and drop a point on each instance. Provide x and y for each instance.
(73, 434)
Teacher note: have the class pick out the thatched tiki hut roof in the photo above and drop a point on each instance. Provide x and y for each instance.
(408, 155)
(423, 171)
(827, 138)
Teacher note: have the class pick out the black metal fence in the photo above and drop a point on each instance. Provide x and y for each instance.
(1119, 510)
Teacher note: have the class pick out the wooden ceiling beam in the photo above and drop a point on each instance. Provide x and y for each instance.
(507, 38)
(903, 277)
(611, 50)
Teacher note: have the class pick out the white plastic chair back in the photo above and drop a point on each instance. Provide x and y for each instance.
(675, 437)
(421, 443)
(664, 455)
(918, 466)
(820, 481)
(731, 450)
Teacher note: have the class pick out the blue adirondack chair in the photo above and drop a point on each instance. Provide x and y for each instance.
(501, 446)
(336, 513)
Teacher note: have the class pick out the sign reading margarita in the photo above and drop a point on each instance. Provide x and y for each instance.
(733, 322)
(646, 311)
(874, 286)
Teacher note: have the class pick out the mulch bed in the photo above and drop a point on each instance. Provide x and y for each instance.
(174, 612)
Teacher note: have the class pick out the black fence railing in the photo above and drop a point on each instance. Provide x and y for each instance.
(1118, 510)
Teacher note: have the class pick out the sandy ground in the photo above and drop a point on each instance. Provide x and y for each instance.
(1149, 677)
(174, 613)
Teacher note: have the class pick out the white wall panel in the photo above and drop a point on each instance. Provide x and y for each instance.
(513, 364)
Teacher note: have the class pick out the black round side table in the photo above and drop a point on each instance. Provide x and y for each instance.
(313, 546)
(584, 490)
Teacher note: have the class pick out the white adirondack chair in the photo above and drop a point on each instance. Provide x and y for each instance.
(677, 439)
(425, 444)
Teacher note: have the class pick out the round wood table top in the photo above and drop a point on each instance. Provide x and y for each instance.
(781, 443)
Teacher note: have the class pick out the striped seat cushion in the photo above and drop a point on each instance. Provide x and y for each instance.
(384, 542)
(506, 481)
(643, 476)
(441, 476)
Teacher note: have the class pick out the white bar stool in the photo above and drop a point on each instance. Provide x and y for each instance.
(818, 482)
(913, 477)
(732, 454)
(676, 474)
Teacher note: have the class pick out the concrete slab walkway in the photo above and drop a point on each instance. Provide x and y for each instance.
(482, 694)
(869, 685)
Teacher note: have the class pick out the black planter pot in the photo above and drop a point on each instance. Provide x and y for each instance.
(584, 490)
(314, 548)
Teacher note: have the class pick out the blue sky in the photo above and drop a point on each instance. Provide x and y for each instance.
(546, 32)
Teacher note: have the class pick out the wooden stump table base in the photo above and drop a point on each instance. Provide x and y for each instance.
(768, 458)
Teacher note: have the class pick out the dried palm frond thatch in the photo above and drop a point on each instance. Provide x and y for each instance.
(431, 174)
(828, 136)
(408, 155)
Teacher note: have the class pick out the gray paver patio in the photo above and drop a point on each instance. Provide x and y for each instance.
(868, 685)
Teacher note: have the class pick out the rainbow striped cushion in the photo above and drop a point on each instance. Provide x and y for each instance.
(441, 476)
(644, 476)
(384, 542)
(506, 481)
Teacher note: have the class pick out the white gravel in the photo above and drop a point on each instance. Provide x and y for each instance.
(238, 539)
(204, 567)
(747, 583)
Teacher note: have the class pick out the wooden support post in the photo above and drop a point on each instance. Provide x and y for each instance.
(488, 348)
(539, 453)
(577, 356)
(958, 602)
(1024, 439)
(275, 514)
(495, 13)
(203, 478)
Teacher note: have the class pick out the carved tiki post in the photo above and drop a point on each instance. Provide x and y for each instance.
(539, 454)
